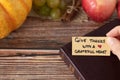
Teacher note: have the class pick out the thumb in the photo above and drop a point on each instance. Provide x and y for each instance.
(114, 45)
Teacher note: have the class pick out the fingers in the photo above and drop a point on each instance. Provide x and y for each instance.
(114, 44)
(114, 32)
(114, 40)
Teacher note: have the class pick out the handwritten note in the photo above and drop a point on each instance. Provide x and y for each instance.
(90, 46)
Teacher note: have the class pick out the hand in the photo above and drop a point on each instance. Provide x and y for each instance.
(114, 40)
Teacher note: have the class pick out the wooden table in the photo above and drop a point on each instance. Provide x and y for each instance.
(32, 52)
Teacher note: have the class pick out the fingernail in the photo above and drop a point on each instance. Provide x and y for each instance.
(114, 44)
(111, 41)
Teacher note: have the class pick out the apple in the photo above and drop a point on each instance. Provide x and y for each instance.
(118, 9)
(99, 10)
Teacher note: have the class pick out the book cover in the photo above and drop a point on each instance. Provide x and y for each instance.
(93, 67)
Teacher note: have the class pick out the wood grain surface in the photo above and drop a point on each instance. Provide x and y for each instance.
(38, 34)
(26, 52)
(43, 67)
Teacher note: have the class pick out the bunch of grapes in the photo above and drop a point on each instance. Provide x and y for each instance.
(53, 9)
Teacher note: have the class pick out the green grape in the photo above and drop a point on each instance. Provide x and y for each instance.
(55, 13)
(62, 5)
(38, 3)
(44, 11)
(53, 3)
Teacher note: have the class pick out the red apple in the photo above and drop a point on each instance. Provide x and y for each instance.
(99, 10)
(118, 9)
